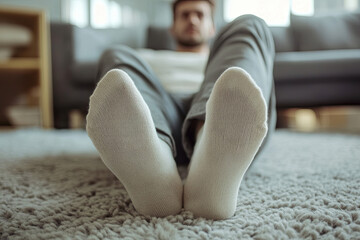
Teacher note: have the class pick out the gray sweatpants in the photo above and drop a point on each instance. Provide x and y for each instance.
(246, 42)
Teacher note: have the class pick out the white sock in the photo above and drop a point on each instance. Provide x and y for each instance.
(121, 127)
(234, 129)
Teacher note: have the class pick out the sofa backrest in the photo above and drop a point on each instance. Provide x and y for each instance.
(87, 44)
(327, 32)
(159, 38)
(90, 43)
(305, 33)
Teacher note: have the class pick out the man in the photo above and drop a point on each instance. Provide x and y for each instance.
(193, 25)
(139, 128)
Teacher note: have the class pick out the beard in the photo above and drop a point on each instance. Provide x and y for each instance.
(190, 41)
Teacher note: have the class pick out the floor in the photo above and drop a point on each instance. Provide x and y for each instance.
(53, 185)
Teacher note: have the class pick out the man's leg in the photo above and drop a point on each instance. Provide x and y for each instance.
(131, 122)
(238, 98)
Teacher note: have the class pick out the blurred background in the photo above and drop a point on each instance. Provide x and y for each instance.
(116, 13)
(49, 50)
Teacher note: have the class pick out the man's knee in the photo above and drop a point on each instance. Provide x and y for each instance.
(253, 26)
(115, 50)
(248, 20)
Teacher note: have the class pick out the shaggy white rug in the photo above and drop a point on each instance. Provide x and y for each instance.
(53, 185)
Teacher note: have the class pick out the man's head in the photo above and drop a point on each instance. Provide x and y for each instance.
(193, 24)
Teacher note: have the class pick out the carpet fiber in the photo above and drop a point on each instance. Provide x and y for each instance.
(53, 185)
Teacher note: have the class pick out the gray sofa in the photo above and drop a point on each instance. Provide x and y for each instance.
(317, 61)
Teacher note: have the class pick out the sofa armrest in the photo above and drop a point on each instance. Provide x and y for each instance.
(317, 78)
(62, 57)
(310, 65)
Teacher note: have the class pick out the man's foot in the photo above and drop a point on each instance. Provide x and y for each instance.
(120, 125)
(234, 129)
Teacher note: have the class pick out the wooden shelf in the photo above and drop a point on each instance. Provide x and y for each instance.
(18, 12)
(20, 64)
(28, 69)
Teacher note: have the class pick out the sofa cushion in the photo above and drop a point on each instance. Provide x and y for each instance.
(90, 43)
(300, 66)
(159, 38)
(339, 31)
(283, 39)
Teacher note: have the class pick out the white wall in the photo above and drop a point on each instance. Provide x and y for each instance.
(158, 12)
(52, 7)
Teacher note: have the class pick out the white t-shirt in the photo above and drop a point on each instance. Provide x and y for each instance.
(179, 72)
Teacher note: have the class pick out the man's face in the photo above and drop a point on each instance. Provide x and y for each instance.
(193, 25)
